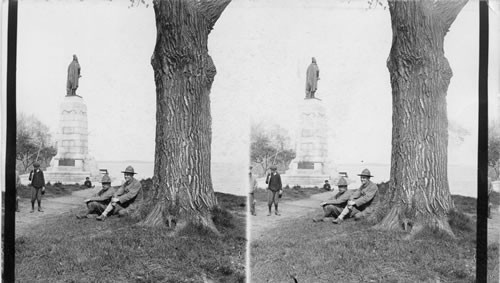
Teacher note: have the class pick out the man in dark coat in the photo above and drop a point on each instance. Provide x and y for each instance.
(73, 77)
(312, 77)
(127, 198)
(37, 186)
(274, 190)
(362, 200)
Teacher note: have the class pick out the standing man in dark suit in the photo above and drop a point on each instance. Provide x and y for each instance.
(37, 187)
(274, 190)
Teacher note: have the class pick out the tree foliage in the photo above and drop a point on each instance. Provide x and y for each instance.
(494, 150)
(270, 146)
(33, 143)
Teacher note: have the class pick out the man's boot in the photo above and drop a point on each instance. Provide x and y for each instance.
(101, 217)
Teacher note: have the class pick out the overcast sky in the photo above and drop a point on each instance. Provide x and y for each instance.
(261, 50)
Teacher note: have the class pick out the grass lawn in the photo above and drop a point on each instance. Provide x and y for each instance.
(354, 252)
(64, 249)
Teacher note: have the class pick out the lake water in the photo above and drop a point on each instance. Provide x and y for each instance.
(232, 177)
(226, 177)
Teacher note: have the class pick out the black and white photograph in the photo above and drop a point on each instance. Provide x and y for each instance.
(249, 141)
(132, 145)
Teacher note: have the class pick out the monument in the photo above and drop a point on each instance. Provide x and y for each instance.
(311, 166)
(72, 162)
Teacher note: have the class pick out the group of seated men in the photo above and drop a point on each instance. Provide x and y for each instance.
(357, 203)
(122, 201)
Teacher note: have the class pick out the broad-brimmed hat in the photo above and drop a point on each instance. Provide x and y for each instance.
(129, 170)
(273, 167)
(106, 179)
(365, 173)
(342, 182)
(36, 164)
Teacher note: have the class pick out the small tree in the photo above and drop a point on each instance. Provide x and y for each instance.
(33, 143)
(494, 150)
(270, 146)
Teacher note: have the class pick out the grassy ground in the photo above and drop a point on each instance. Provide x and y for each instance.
(293, 193)
(355, 252)
(56, 190)
(65, 249)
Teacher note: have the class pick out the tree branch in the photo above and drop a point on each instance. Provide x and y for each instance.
(211, 9)
(448, 10)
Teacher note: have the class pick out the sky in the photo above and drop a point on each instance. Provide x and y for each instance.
(261, 50)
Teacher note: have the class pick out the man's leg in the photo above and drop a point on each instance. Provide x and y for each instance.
(34, 193)
(106, 211)
(251, 199)
(276, 201)
(345, 212)
(270, 200)
(120, 210)
(39, 200)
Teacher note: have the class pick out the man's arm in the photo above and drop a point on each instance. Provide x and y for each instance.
(133, 190)
(105, 196)
(369, 194)
(280, 186)
(340, 200)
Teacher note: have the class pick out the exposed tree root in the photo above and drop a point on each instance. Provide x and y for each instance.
(396, 221)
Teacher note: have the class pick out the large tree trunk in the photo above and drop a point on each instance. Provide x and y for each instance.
(419, 195)
(184, 72)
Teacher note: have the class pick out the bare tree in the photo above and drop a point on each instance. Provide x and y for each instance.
(420, 74)
(183, 72)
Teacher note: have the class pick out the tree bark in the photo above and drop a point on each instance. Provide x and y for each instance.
(184, 72)
(419, 194)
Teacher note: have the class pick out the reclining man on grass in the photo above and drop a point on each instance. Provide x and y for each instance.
(333, 207)
(127, 198)
(362, 201)
(98, 202)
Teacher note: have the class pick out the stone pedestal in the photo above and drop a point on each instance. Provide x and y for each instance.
(72, 162)
(311, 166)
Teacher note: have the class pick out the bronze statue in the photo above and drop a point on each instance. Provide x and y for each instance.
(312, 77)
(73, 77)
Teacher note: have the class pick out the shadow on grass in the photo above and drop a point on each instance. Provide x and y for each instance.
(65, 249)
(355, 252)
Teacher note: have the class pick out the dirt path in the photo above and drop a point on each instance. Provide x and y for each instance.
(290, 210)
(52, 207)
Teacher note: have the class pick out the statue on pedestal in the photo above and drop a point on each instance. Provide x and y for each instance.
(312, 77)
(73, 77)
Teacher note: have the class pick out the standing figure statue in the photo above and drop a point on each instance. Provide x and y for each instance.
(312, 78)
(73, 77)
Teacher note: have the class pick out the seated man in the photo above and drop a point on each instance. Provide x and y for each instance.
(87, 183)
(126, 198)
(327, 186)
(98, 202)
(360, 201)
(334, 207)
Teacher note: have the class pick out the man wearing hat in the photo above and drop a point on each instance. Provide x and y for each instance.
(252, 187)
(360, 200)
(334, 207)
(98, 202)
(125, 199)
(37, 186)
(274, 190)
